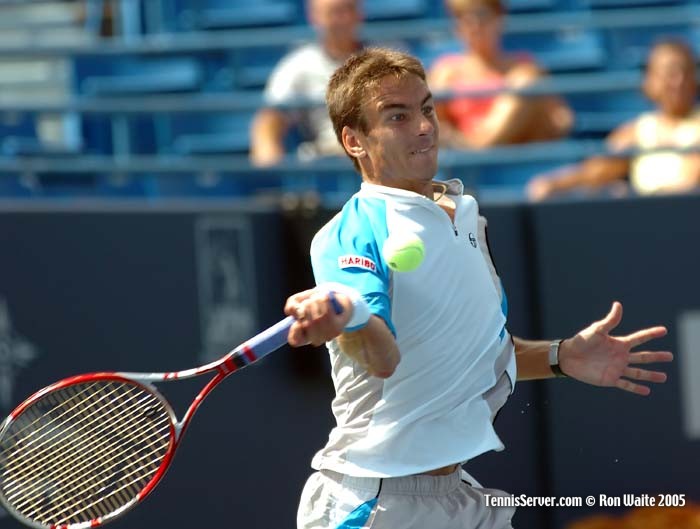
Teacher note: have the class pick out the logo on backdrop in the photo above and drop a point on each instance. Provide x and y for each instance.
(226, 283)
(688, 340)
(16, 353)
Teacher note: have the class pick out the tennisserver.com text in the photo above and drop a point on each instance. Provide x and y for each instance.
(533, 501)
(601, 500)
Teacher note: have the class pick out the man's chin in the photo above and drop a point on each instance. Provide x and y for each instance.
(426, 173)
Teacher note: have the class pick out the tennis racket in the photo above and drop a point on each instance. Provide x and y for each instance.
(89, 448)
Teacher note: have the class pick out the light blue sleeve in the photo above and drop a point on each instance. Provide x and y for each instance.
(348, 251)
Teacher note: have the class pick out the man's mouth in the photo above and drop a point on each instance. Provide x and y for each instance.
(421, 151)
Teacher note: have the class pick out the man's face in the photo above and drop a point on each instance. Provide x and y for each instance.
(480, 29)
(335, 18)
(670, 81)
(399, 144)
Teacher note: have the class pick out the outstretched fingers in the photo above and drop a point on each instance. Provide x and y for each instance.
(612, 320)
(631, 387)
(639, 337)
(645, 375)
(635, 374)
(650, 357)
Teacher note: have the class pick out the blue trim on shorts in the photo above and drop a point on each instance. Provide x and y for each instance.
(357, 518)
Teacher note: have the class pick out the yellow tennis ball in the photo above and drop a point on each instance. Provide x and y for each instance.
(403, 252)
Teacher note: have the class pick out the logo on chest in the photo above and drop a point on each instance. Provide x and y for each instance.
(472, 240)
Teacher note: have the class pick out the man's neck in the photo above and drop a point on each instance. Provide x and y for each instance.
(339, 51)
(435, 191)
(673, 118)
(427, 189)
(490, 61)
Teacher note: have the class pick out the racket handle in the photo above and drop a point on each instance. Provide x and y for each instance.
(271, 338)
(275, 337)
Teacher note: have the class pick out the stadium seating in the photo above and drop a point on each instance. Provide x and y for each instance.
(211, 133)
(394, 9)
(567, 49)
(38, 79)
(253, 69)
(135, 76)
(182, 48)
(217, 14)
(631, 3)
(596, 116)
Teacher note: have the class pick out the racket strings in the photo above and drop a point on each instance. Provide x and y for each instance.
(62, 433)
(19, 433)
(72, 446)
(106, 502)
(67, 449)
(80, 470)
(110, 467)
(103, 501)
(57, 425)
(92, 446)
(83, 452)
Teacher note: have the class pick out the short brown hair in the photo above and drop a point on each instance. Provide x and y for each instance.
(458, 7)
(351, 84)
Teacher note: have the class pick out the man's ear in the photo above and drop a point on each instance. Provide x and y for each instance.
(352, 143)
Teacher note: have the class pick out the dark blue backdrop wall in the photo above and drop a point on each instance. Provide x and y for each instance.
(646, 254)
(162, 288)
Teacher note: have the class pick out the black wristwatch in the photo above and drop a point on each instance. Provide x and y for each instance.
(554, 359)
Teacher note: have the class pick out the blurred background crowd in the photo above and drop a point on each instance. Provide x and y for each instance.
(536, 98)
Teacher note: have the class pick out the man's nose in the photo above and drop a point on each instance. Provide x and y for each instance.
(426, 126)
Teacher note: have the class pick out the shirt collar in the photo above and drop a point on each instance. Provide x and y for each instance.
(454, 187)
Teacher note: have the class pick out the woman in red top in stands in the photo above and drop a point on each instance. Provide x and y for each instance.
(478, 122)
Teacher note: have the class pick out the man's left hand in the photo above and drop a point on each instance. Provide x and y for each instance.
(595, 357)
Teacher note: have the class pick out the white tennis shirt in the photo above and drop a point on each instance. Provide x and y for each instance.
(448, 317)
(303, 74)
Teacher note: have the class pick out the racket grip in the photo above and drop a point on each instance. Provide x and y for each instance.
(337, 307)
(271, 338)
(275, 337)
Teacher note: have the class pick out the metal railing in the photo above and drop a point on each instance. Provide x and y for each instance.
(203, 41)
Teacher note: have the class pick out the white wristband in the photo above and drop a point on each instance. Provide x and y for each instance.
(360, 309)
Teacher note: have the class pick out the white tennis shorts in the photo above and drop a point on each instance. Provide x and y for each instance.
(456, 501)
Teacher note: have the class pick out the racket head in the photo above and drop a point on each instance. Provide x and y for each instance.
(84, 451)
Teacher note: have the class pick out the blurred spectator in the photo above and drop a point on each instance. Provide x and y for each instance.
(670, 82)
(303, 75)
(478, 122)
(39, 80)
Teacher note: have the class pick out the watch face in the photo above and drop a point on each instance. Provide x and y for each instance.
(554, 353)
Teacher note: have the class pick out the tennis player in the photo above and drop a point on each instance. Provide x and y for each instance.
(426, 360)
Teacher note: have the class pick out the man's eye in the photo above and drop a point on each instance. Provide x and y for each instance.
(398, 117)
(429, 110)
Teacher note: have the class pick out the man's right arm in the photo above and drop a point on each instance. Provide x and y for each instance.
(267, 137)
(270, 125)
(594, 172)
(373, 347)
(346, 257)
